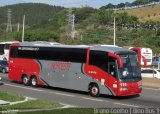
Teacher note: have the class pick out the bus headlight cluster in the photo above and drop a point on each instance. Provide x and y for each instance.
(123, 84)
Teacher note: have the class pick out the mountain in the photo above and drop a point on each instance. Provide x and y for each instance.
(36, 13)
(92, 26)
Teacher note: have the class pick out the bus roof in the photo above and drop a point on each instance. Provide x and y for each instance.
(107, 48)
(111, 48)
(9, 42)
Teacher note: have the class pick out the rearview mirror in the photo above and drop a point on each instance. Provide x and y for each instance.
(120, 61)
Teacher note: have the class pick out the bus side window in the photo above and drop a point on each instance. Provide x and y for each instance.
(1, 49)
(112, 67)
(112, 70)
(99, 59)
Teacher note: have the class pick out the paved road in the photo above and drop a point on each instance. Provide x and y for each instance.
(149, 98)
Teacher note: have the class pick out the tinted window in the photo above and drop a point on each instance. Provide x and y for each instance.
(155, 59)
(150, 71)
(4, 63)
(1, 49)
(50, 53)
(7, 46)
(144, 71)
(99, 59)
(14, 52)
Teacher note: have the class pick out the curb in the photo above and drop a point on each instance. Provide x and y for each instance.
(35, 110)
(13, 103)
(2, 102)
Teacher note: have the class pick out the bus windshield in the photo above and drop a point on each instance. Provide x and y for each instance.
(131, 67)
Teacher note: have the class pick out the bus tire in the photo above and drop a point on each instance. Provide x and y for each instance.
(25, 80)
(94, 90)
(34, 82)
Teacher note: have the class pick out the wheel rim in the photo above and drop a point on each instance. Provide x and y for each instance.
(25, 80)
(94, 90)
(34, 82)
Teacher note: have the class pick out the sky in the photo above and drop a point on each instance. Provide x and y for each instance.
(67, 3)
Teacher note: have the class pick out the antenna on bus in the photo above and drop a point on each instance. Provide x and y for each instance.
(23, 28)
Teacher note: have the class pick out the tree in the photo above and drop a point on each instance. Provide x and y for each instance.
(108, 6)
(105, 16)
(83, 13)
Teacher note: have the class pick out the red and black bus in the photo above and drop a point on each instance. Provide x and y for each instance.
(98, 69)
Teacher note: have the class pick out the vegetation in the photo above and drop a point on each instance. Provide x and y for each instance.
(92, 26)
(151, 13)
(33, 12)
(32, 104)
(122, 5)
(35, 36)
(65, 111)
(10, 97)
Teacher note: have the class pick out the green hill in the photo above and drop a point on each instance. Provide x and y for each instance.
(36, 13)
(92, 26)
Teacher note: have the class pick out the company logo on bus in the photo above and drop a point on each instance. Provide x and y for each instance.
(28, 48)
(63, 66)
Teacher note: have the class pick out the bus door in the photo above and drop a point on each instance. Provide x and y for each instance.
(113, 82)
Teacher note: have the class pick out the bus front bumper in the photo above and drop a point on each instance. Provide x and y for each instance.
(129, 92)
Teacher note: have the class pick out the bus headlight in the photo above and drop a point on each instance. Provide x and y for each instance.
(123, 89)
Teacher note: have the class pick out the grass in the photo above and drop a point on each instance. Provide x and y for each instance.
(145, 13)
(65, 111)
(33, 104)
(10, 97)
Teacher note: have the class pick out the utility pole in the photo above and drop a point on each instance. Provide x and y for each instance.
(71, 24)
(114, 39)
(9, 25)
(18, 27)
(73, 27)
(23, 28)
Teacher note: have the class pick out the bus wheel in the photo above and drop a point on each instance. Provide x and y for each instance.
(25, 80)
(94, 90)
(34, 81)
